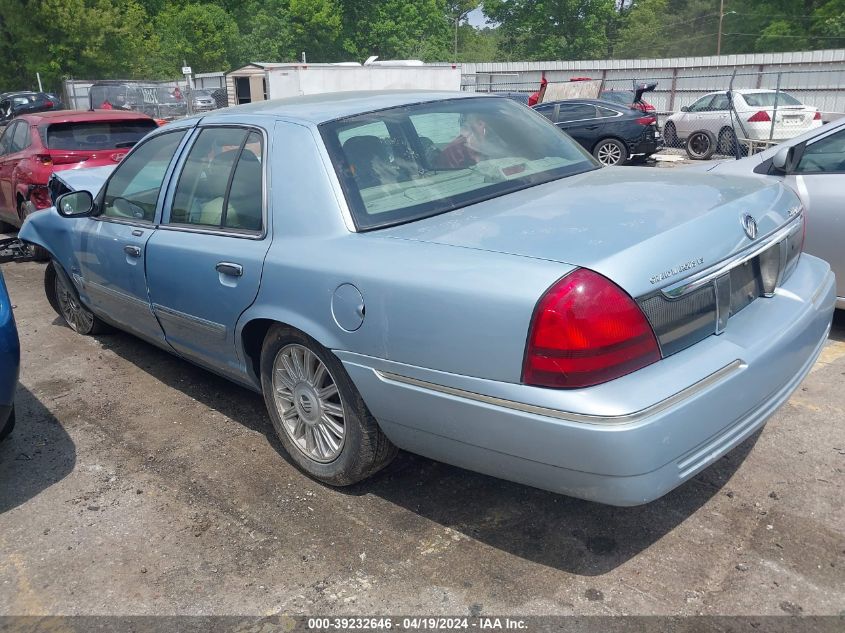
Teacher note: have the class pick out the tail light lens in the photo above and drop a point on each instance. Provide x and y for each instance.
(586, 330)
(795, 246)
(760, 117)
(48, 104)
(44, 159)
(817, 116)
(647, 120)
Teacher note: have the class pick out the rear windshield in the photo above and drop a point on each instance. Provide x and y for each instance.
(412, 162)
(767, 99)
(97, 134)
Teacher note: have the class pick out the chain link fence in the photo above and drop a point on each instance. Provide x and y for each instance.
(702, 114)
(163, 100)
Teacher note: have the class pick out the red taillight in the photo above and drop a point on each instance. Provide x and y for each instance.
(647, 120)
(586, 330)
(48, 104)
(817, 116)
(760, 117)
(44, 159)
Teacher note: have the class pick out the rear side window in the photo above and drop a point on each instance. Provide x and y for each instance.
(575, 112)
(221, 182)
(97, 134)
(21, 140)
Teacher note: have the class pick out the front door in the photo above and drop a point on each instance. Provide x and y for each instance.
(819, 179)
(112, 245)
(204, 263)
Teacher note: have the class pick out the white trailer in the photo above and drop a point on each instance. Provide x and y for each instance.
(307, 79)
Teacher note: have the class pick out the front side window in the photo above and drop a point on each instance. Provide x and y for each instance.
(826, 155)
(702, 104)
(221, 182)
(6, 139)
(436, 157)
(21, 140)
(132, 191)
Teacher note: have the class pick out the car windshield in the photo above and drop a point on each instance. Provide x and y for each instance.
(412, 162)
(92, 135)
(767, 99)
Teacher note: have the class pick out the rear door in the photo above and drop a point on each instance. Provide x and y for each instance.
(579, 121)
(111, 247)
(204, 264)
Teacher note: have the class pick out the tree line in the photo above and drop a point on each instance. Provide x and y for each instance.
(149, 39)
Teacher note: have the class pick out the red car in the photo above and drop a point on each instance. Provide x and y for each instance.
(33, 146)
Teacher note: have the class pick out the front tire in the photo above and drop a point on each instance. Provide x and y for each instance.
(610, 152)
(65, 301)
(317, 412)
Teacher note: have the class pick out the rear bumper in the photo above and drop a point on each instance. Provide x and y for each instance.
(626, 442)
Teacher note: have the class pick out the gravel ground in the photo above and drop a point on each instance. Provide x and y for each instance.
(136, 483)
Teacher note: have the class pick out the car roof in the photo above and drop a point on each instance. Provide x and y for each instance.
(330, 106)
(67, 116)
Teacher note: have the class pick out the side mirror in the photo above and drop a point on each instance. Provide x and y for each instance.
(783, 159)
(76, 204)
(684, 108)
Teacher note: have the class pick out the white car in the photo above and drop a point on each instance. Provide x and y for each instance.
(754, 111)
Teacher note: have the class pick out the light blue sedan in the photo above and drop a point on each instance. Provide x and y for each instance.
(450, 275)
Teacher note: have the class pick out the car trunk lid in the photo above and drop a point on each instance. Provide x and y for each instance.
(644, 229)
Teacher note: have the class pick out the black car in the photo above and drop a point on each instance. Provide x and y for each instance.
(24, 102)
(613, 133)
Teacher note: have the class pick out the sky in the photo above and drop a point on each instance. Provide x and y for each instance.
(476, 18)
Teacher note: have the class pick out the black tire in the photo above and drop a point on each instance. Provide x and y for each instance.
(610, 152)
(727, 142)
(38, 253)
(670, 135)
(56, 280)
(701, 145)
(364, 449)
(9, 426)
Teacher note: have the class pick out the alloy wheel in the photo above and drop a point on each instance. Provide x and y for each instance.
(79, 318)
(309, 403)
(609, 154)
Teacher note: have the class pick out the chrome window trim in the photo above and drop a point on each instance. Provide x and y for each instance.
(569, 416)
(704, 277)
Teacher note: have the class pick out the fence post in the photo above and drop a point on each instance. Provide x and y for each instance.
(775, 111)
(674, 87)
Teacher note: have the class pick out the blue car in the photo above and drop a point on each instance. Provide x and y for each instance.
(9, 362)
(451, 275)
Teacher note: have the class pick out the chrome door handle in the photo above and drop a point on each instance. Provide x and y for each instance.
(228, 268)
(132, 251)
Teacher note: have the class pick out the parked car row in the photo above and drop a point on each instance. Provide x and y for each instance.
(13, 104)
(34, 146)
(756, 115)
(452, 276)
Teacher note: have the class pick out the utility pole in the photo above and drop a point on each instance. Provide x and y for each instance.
(721, 17)
(456, 39)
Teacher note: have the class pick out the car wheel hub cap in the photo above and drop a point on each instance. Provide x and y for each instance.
(77, 317)
(609, 154)
(309, 404)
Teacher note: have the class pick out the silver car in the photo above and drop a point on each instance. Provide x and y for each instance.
(813, 165)
(451, 275)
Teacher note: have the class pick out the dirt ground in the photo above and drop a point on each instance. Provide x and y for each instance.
(136, 483)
